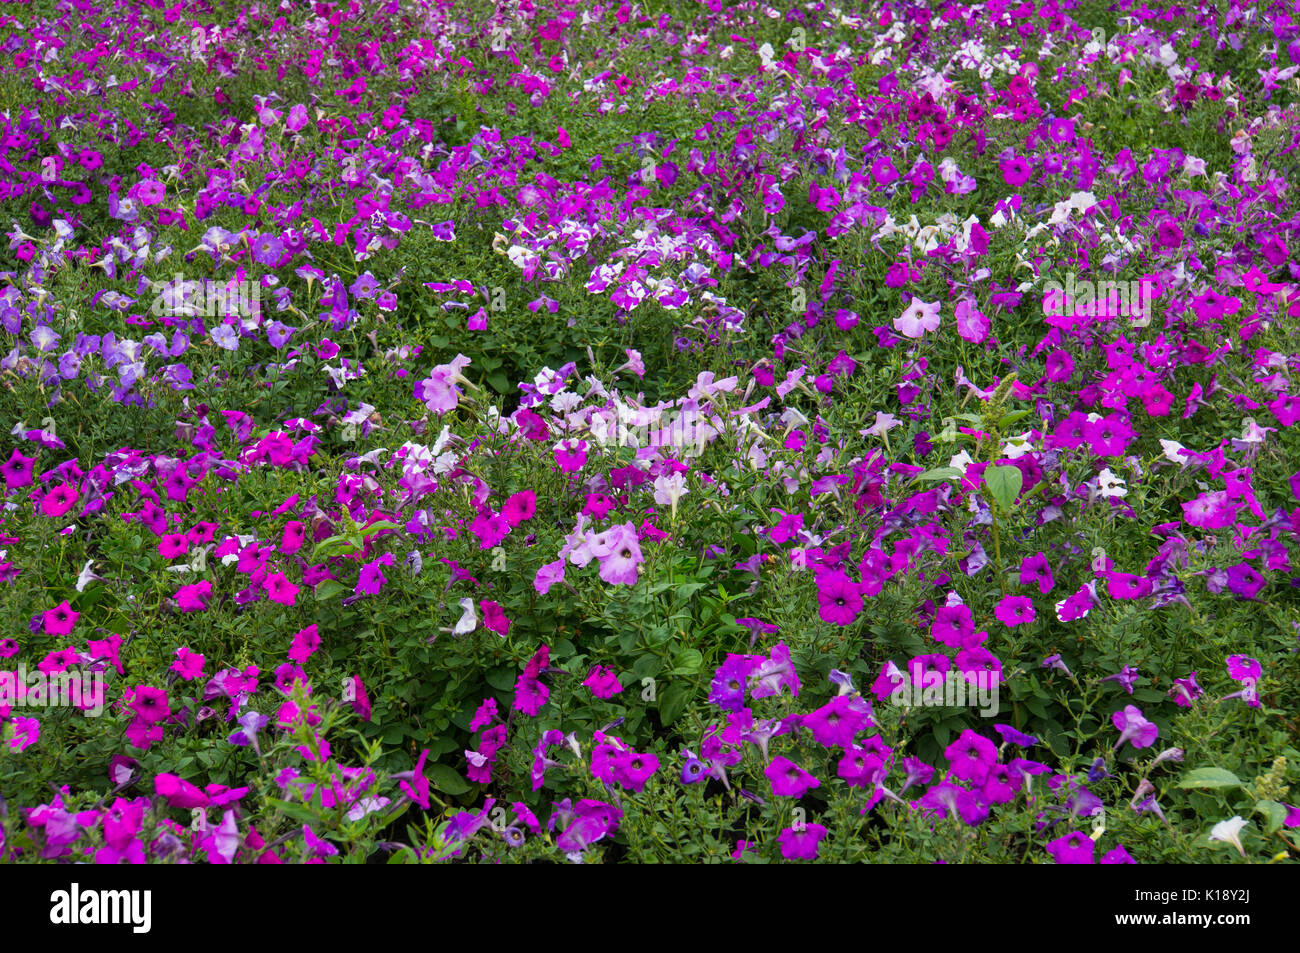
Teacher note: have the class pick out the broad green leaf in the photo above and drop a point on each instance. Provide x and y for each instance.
(445, 779)
(940, 473)
(688, 662)
(328, 589)
(1210, 778)
(1275, 812)
(1004, 485)
(672, 701)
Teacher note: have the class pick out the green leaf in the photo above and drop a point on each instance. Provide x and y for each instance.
(672, 701)
(332, 546)
(1275, 812)
(1004, 485)
(446, 779)
(1210, 778)
(296, 811)
(1011, 418)
(328, 589)
(689, 662)
(940, 473)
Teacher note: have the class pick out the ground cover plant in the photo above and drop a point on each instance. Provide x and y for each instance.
(447, 431)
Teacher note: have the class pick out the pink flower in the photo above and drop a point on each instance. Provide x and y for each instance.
(173, 545)
(1210, 511)
(801, 843)
(494, 617)
(1073, 848)
(60, 619)
(972, 325)
(602, 682)
(280, 589)
(548, 576)
(17, 471)
(439, 390)
(920, 317)
(294, 536)
(179, 792)
(59, 500)
(1014, 610)
(839, 598)
(371, 578)
(490, 528)
(194, 598)
(305, 644)
(619, 554)
(150, 704)
(360, 700)
(188, 665)
(26, 733)
(1134, 727)
(1016, 170)
(788, 779)
(520, 507)
(571, 455)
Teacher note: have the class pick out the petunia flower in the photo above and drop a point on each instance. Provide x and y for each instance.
(1229, 832)
(801, 842)
(1134, 727)
(918, 318)
(61, 619)
(788, 779)
(1073, 848)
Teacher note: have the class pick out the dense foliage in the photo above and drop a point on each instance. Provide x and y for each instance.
(659, 431)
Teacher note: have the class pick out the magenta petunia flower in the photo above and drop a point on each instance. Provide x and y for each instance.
(149, 704)
(1036, 569)
(60, 619)
(1117, 855)
(1014, 610)
(59, 500)
(293, 537)
(188, 665)
(520, 507)
(1122, 585)
(179, 792)
(970, 757)
(1127, 677)
(1016, 170)
(173, 545)
(280, 589)
(1074, 848)
(788, 779)
(1134, 727)
(602, 682)
(1244, 581)
(494, 617)
(1185, 691)
(801, 843)
(194, 598)
(954, 626)
(838, 721)
(17, 471)
(305, 644)
(1213, 510)
(371, 578)
(839, 599)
